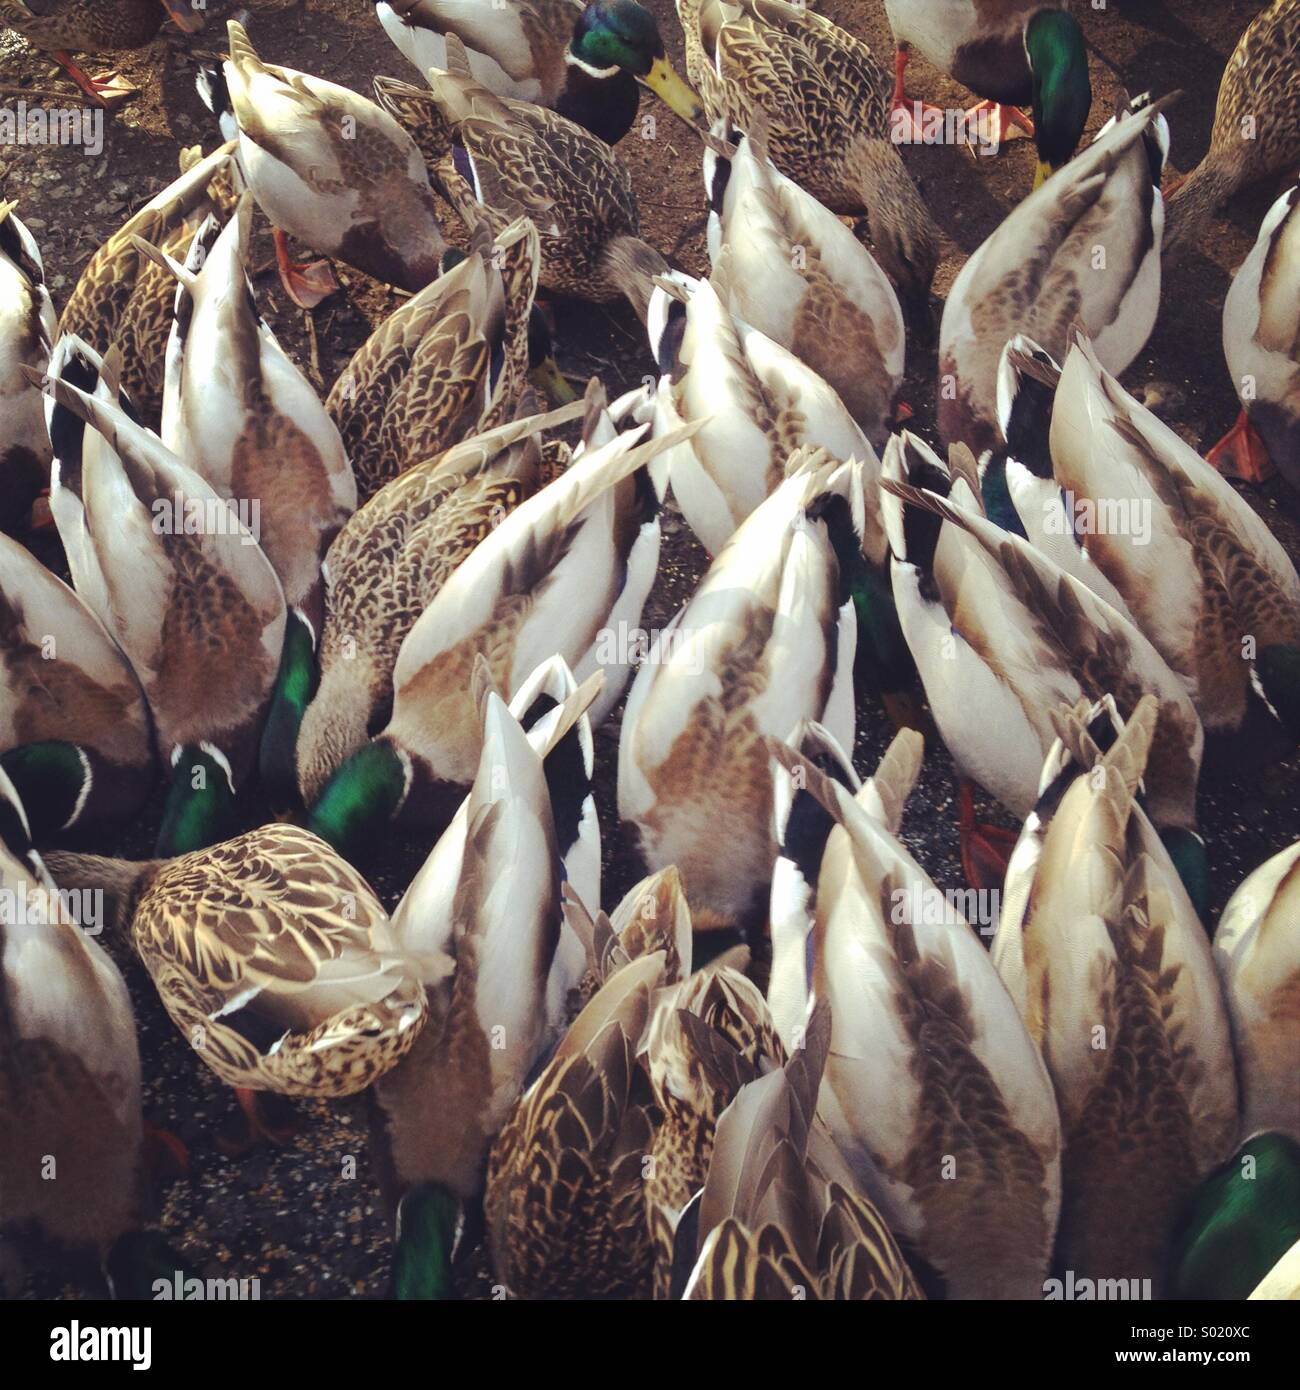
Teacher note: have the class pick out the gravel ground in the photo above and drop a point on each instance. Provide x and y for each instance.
(304, 1219)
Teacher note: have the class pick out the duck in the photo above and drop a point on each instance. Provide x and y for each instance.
(90, 26)
(1261, 341)
(1241, 1226)
(581, 59)
(1026, 53)
(800, 276)
(498, 917)
(708, 1036)
(499, 158)
(826, 99)
(273, 958)
(243, 416)
(1256, 947)
(388, 562)
(767, 638)
(27, 329)
(1001, 637)
(69, 1064)
(448, 363)
(1107, 196)
(934, 1091)
(76, 739)
(565, 1195)
(1105, 956)
(780, 1215)
(1264, 60)
(124, 297)
(328, 167)
(566, 572)
(756, 403)
(1199, 571)
(172, 561)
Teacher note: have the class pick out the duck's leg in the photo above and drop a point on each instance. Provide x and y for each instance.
(305, 282)
(1003, 123)
(985, 849)
(906, 118)
(1241, 453)
(254, 1125)
(108, 90)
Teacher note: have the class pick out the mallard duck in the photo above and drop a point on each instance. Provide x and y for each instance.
(499, 917)
(1256, 129)
(1002, 637)
(1022, 53)
(1102, 950)
(565, 573)
(1257, 950)
(328, 167)
(126, 298)
(247, 421)
(827, 100)
(386, 566)
(755, 401)
(92, 26)
(781, 1216)
(75, 731)
(1202, 575)
(505, 159)
(801, 277)
(69, 1062)
(767, 639)
(273, 958)
(708, 1036)
(933, 1091)
(1241, 1224)
(192, 601)
(447, 364)
(565, 1199)
(1083, 248)
(580, 59)
(1261, 340)
(27, 325)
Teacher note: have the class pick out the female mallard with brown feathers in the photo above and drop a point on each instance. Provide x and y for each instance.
(505, 159)
(189, 597)
(1261, 340)
(273, 958)
(1256, 130)
(827, 100)
(328, 167)
(1257, 950)
(74, 727)
(933, 1090)
(781, 1216)
(125, 297)
(1083, 248)
(95, 26)
(246, 420)
(447, 364)
(1002, 637)
(27, 326)
(1111, 970)
(388, 563)
(580, 59)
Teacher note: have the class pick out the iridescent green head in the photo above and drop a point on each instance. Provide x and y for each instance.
(617, 34)
(1278, 669)
(1058, 62)
(428, 1220)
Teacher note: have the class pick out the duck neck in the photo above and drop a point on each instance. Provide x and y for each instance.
(294, 686)
(1196, 200)
(428, 1218)
(1187, 851)
(1278, 669)
(200, 806)
(53, 778)
(1058, 61)
(121, 881)
(362, 796)
(631, 266)
(603, 101)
